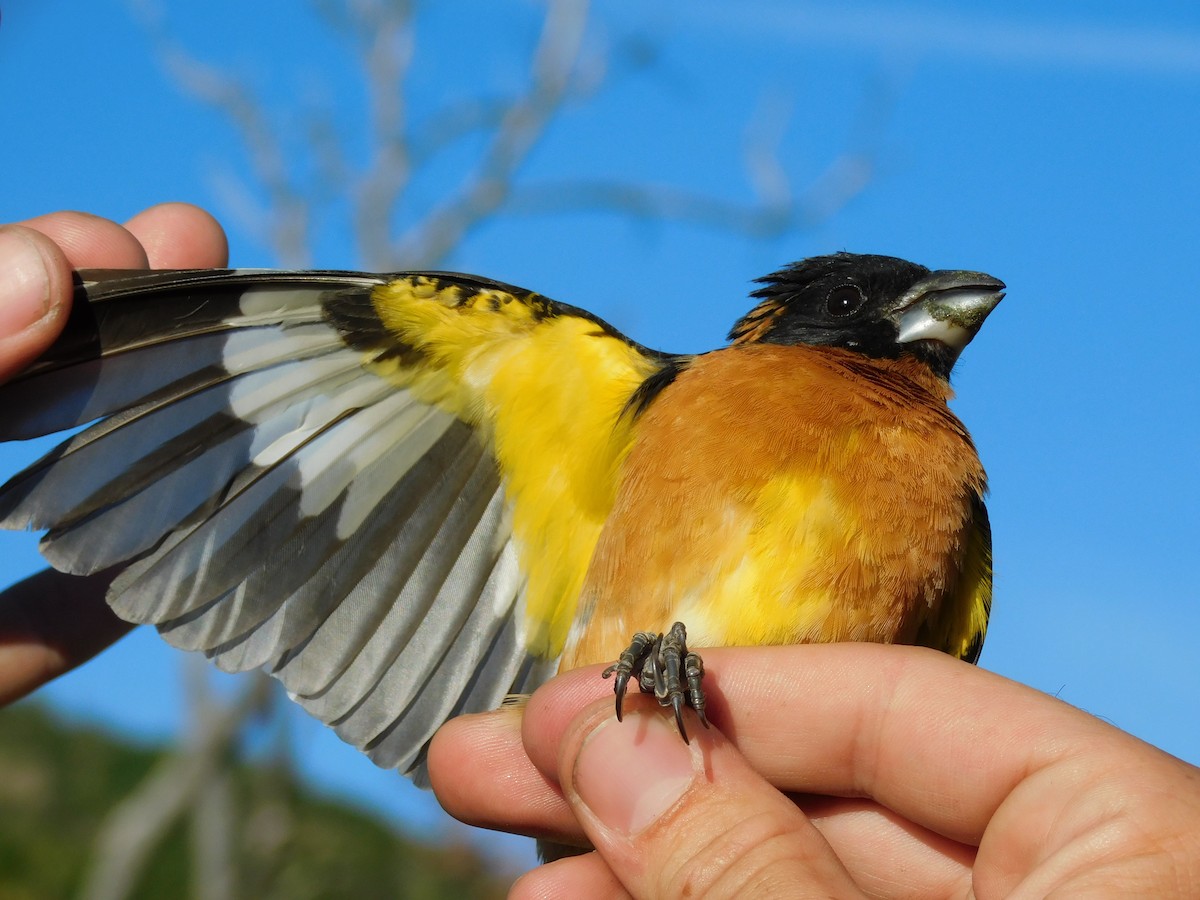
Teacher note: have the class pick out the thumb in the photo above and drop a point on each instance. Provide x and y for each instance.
(673, 819)
(35, 296)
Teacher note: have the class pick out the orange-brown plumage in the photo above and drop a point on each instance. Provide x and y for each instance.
(880, 474)
(409, 495)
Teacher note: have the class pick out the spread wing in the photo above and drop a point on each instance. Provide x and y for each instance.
(352, 480)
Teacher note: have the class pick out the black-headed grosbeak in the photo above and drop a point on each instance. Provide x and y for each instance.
(411, 495)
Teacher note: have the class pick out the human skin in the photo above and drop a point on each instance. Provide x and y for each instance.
(832, 771)
(50, 622)
(837, 770)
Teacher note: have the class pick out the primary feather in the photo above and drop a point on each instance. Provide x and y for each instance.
(407, 496)
(279, 493)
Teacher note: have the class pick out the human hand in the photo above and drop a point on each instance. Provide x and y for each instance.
(50, 622)
(832, 770)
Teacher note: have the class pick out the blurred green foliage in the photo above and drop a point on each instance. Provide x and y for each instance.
(58, 782)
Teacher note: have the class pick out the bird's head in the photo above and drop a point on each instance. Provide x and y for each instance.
(880, 306)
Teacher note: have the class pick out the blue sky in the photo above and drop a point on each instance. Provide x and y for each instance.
(1055, 150)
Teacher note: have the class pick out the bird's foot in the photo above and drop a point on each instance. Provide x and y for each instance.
(662, 666)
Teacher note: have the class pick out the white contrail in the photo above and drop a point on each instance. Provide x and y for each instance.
(1056, 42)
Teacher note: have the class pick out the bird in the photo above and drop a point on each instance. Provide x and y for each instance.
(412, 495)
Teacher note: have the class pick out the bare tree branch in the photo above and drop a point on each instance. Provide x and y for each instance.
(213, 827)
(764, 135)
(455, 122)
(213, 817)
(383, 32)
(777, 207)
(389, 34)
(642, 201)
(285, 218)
(139, 823)
(429, 241)
(283, 198)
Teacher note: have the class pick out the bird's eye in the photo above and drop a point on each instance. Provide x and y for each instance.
(845, 300)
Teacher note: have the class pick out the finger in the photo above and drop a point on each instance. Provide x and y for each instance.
(482, 776)
(180, 236)
(940, 742)
(672, 819)
(91, 241)
(553, 707)
(36, 257)
(911, 728)
(50, 623)
(888, 855)
(579, 876)
(35, 296)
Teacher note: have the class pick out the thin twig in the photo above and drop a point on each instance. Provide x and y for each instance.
(388, 36)
(429, 241)
(285, 218)
(140, 822)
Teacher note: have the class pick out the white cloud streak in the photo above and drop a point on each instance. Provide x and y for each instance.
(922, 33)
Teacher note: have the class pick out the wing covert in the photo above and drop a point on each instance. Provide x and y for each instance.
(345, 478)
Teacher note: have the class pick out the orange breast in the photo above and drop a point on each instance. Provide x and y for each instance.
(783, 494)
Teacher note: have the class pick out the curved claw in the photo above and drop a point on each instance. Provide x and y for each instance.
(660, 664)
(677, 705)
(619, 689)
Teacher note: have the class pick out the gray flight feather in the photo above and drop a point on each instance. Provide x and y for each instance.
(272, 501)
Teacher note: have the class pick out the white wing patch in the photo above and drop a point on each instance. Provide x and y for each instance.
(276, 504)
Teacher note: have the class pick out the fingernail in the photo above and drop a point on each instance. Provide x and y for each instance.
(630, 773)
(24, 283)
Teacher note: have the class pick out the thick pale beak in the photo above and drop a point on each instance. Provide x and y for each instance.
(947, 307)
